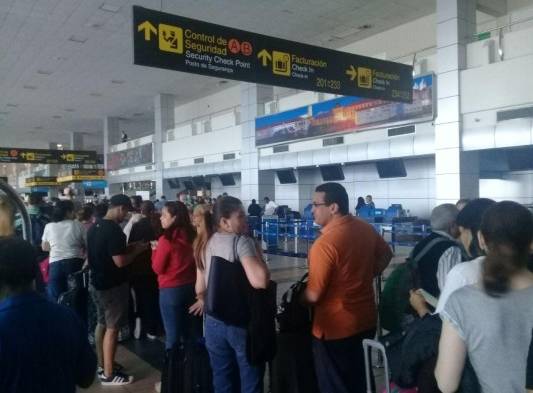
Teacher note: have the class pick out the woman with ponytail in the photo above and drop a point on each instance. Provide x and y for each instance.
(492, 320)
(226, 340)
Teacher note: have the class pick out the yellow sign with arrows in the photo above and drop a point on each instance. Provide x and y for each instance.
(148, 28)
(173, 42)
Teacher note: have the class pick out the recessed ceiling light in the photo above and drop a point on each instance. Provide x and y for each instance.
(222, 82)
(109, 7)
(138, 114)
(70, 110)
(117, 81)
(365, 26)
(288, 11)
(95, 25)
(4, 113)
(96, 94)
(12, 105)
(57, 116)
(44, 72)
(38, 128)
(78, 39)
(29, 87)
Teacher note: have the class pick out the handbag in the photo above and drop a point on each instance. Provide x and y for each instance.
(227, 291)
(231, 299)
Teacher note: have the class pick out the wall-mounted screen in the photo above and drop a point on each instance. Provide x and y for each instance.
(332, 172)
(391, 168)
(286, 176)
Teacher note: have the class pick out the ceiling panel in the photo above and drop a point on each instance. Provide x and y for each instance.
(45, 73)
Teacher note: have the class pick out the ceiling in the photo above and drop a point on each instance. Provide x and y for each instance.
(66, 64)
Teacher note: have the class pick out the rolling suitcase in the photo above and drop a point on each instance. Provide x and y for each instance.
(187, 369)
(381, 348)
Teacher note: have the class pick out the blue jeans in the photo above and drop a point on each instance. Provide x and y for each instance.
(58, 275)
(174, 304)
(226, 345)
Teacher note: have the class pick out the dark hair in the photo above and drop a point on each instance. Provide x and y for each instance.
(470, 218)
(335, 193)
(183, 221)
(136, 201)
(18, 267)
(35, 198)
(507, 228)
(61, 210)
(253, 201)
(147, 208)
(360, 203)
(101, 210)
(224, 208)
(266, 199)
(86, 212)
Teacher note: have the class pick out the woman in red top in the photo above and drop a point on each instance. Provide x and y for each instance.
(173, 262)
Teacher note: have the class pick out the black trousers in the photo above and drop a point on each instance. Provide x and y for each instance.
(340, 364)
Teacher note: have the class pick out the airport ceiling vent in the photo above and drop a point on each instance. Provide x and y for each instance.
(511, 114)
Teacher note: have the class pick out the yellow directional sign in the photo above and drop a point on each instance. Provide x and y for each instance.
(351, 72)
(170, 38)
(148, 28)
(264, 56)
(364, 77)
(281, 63)
(182, 44)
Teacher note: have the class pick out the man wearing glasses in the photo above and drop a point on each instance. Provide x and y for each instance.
(342, 265)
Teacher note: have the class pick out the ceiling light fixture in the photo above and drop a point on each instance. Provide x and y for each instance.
(95, 94)
(77, 39)
(12, 105)
(109, 8)
(70, 110)
(44, 72)
(38, 128)
(138, 114)
(29, 87)
(117, 81)
(57, 116)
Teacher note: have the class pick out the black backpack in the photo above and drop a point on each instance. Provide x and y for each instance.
(293, 316)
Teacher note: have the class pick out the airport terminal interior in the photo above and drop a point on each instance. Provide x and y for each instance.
(170, 112)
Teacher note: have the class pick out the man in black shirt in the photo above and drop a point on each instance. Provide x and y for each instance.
(108, 255)
(254, 209)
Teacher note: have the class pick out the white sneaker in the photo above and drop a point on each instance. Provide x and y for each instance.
(151, 337)
(157, 387)
(137, 330)
(117, 379)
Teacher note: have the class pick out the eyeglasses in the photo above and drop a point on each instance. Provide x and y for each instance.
(319, 204)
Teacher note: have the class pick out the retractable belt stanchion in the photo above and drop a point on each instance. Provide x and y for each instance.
(14, 198)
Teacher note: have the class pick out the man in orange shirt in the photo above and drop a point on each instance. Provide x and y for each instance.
(342, 265)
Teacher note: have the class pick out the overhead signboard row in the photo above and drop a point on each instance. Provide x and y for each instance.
(176, 43)
(15, 155)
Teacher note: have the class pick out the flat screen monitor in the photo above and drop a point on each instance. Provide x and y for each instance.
(391, 168)
(227, 180)
(286, 176)
(332, 172)
(173, 183)
(199, 181)
(188, 184)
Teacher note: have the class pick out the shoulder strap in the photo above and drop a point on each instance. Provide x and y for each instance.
(414, 261)
(235, 253)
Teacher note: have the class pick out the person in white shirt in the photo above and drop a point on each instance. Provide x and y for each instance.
(270, 207)
(466, 273)
(66, 240)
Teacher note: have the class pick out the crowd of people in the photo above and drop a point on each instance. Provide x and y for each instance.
(160, 256)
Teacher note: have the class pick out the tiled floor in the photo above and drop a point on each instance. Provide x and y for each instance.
(140, 357)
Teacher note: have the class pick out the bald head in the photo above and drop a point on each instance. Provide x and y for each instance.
(443, 218)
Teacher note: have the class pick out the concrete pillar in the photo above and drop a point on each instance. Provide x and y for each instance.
(76, 143)
(456, 174)
(111, 137)
(53, 170)
(164, 106)
(253, 98)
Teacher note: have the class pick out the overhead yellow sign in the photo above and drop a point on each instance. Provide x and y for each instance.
(36, 181)
(78, 175)
(173, 42)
